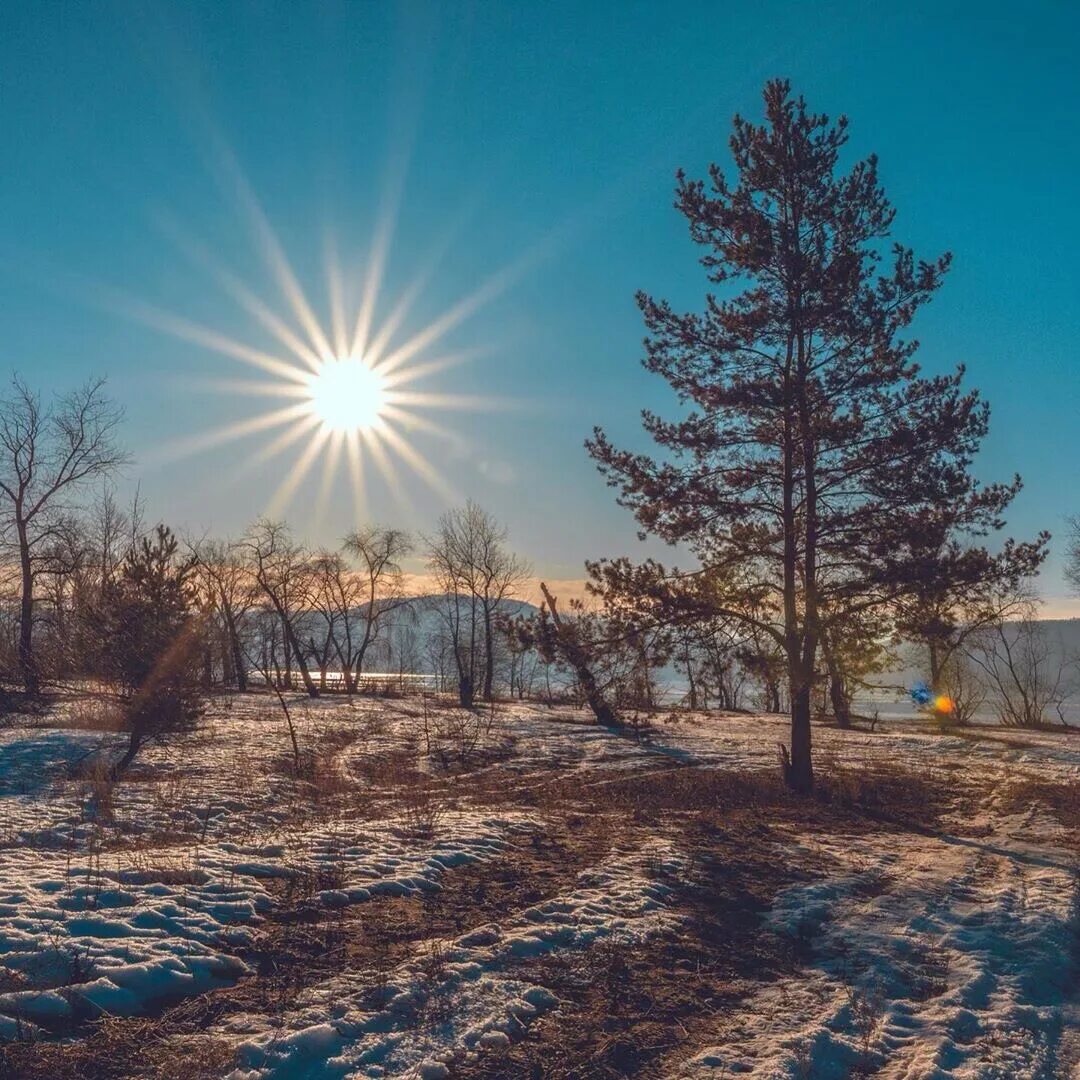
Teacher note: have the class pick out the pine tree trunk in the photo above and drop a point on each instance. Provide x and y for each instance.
(841, 707)
(935, 665)
(800, 772)
(838, 698)
(134, 743)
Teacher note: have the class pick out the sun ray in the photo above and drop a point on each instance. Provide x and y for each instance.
(415, 422)
(489, 290)
(207, 440)
(393, 188)
(356, 471)
(416, 461)
(372, 444)
(198, 253)
(372, 285)
(430, 367)
(253, 387)
(335, 289)
(294, 477)
(278, 445)
(158, 319)
(432, 400)
(270, 246)
(329, 471)
(404, 305)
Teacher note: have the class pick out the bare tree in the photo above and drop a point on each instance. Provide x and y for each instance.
(453, 558)
(517, 633)
(260, 654)
(377, 589)
(1072, 556)
(1027, 677)
(283, 573)
(499, 576)
(227, 583)
(47, 453)
(476, 573)
(961, 681)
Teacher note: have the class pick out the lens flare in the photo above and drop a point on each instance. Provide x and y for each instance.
(928, 700)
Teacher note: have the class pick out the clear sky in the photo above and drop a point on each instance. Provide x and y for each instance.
(531, 148)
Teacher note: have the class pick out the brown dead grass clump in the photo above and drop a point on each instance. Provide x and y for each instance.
(884, 792)
(684, 788)
(388, 769)
(638, 794)
(640, 1008)
(89, 713)
(1061, 800)
(115, 1049)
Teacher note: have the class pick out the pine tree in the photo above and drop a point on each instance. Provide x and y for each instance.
(151, 642)
(815, 456)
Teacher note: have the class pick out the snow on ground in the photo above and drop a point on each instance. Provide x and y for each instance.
(927, 956)
(945, 958)
(337, 1033)
(120, 932)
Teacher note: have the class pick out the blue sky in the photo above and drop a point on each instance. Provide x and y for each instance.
(536, 145)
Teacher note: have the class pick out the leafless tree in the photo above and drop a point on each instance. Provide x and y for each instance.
(1027, 677)
(48, 452)
(259, 653)
(962, 682)
(499, 576)
(453, 557)
(229, 587)
(282, 570)
(377, 587)
(1072, 556)
(475, 573)
(406, 645)
(518, 635)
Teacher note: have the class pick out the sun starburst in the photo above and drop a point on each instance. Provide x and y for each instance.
(350, 393)
(349, 396)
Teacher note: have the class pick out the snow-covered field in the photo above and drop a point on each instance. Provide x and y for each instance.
(518, 893)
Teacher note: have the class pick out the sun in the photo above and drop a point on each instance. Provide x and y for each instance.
(346, 394)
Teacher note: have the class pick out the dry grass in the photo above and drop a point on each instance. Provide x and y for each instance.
(1060, 799)
(883, 791)
(117, 1049)
(90, 712)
